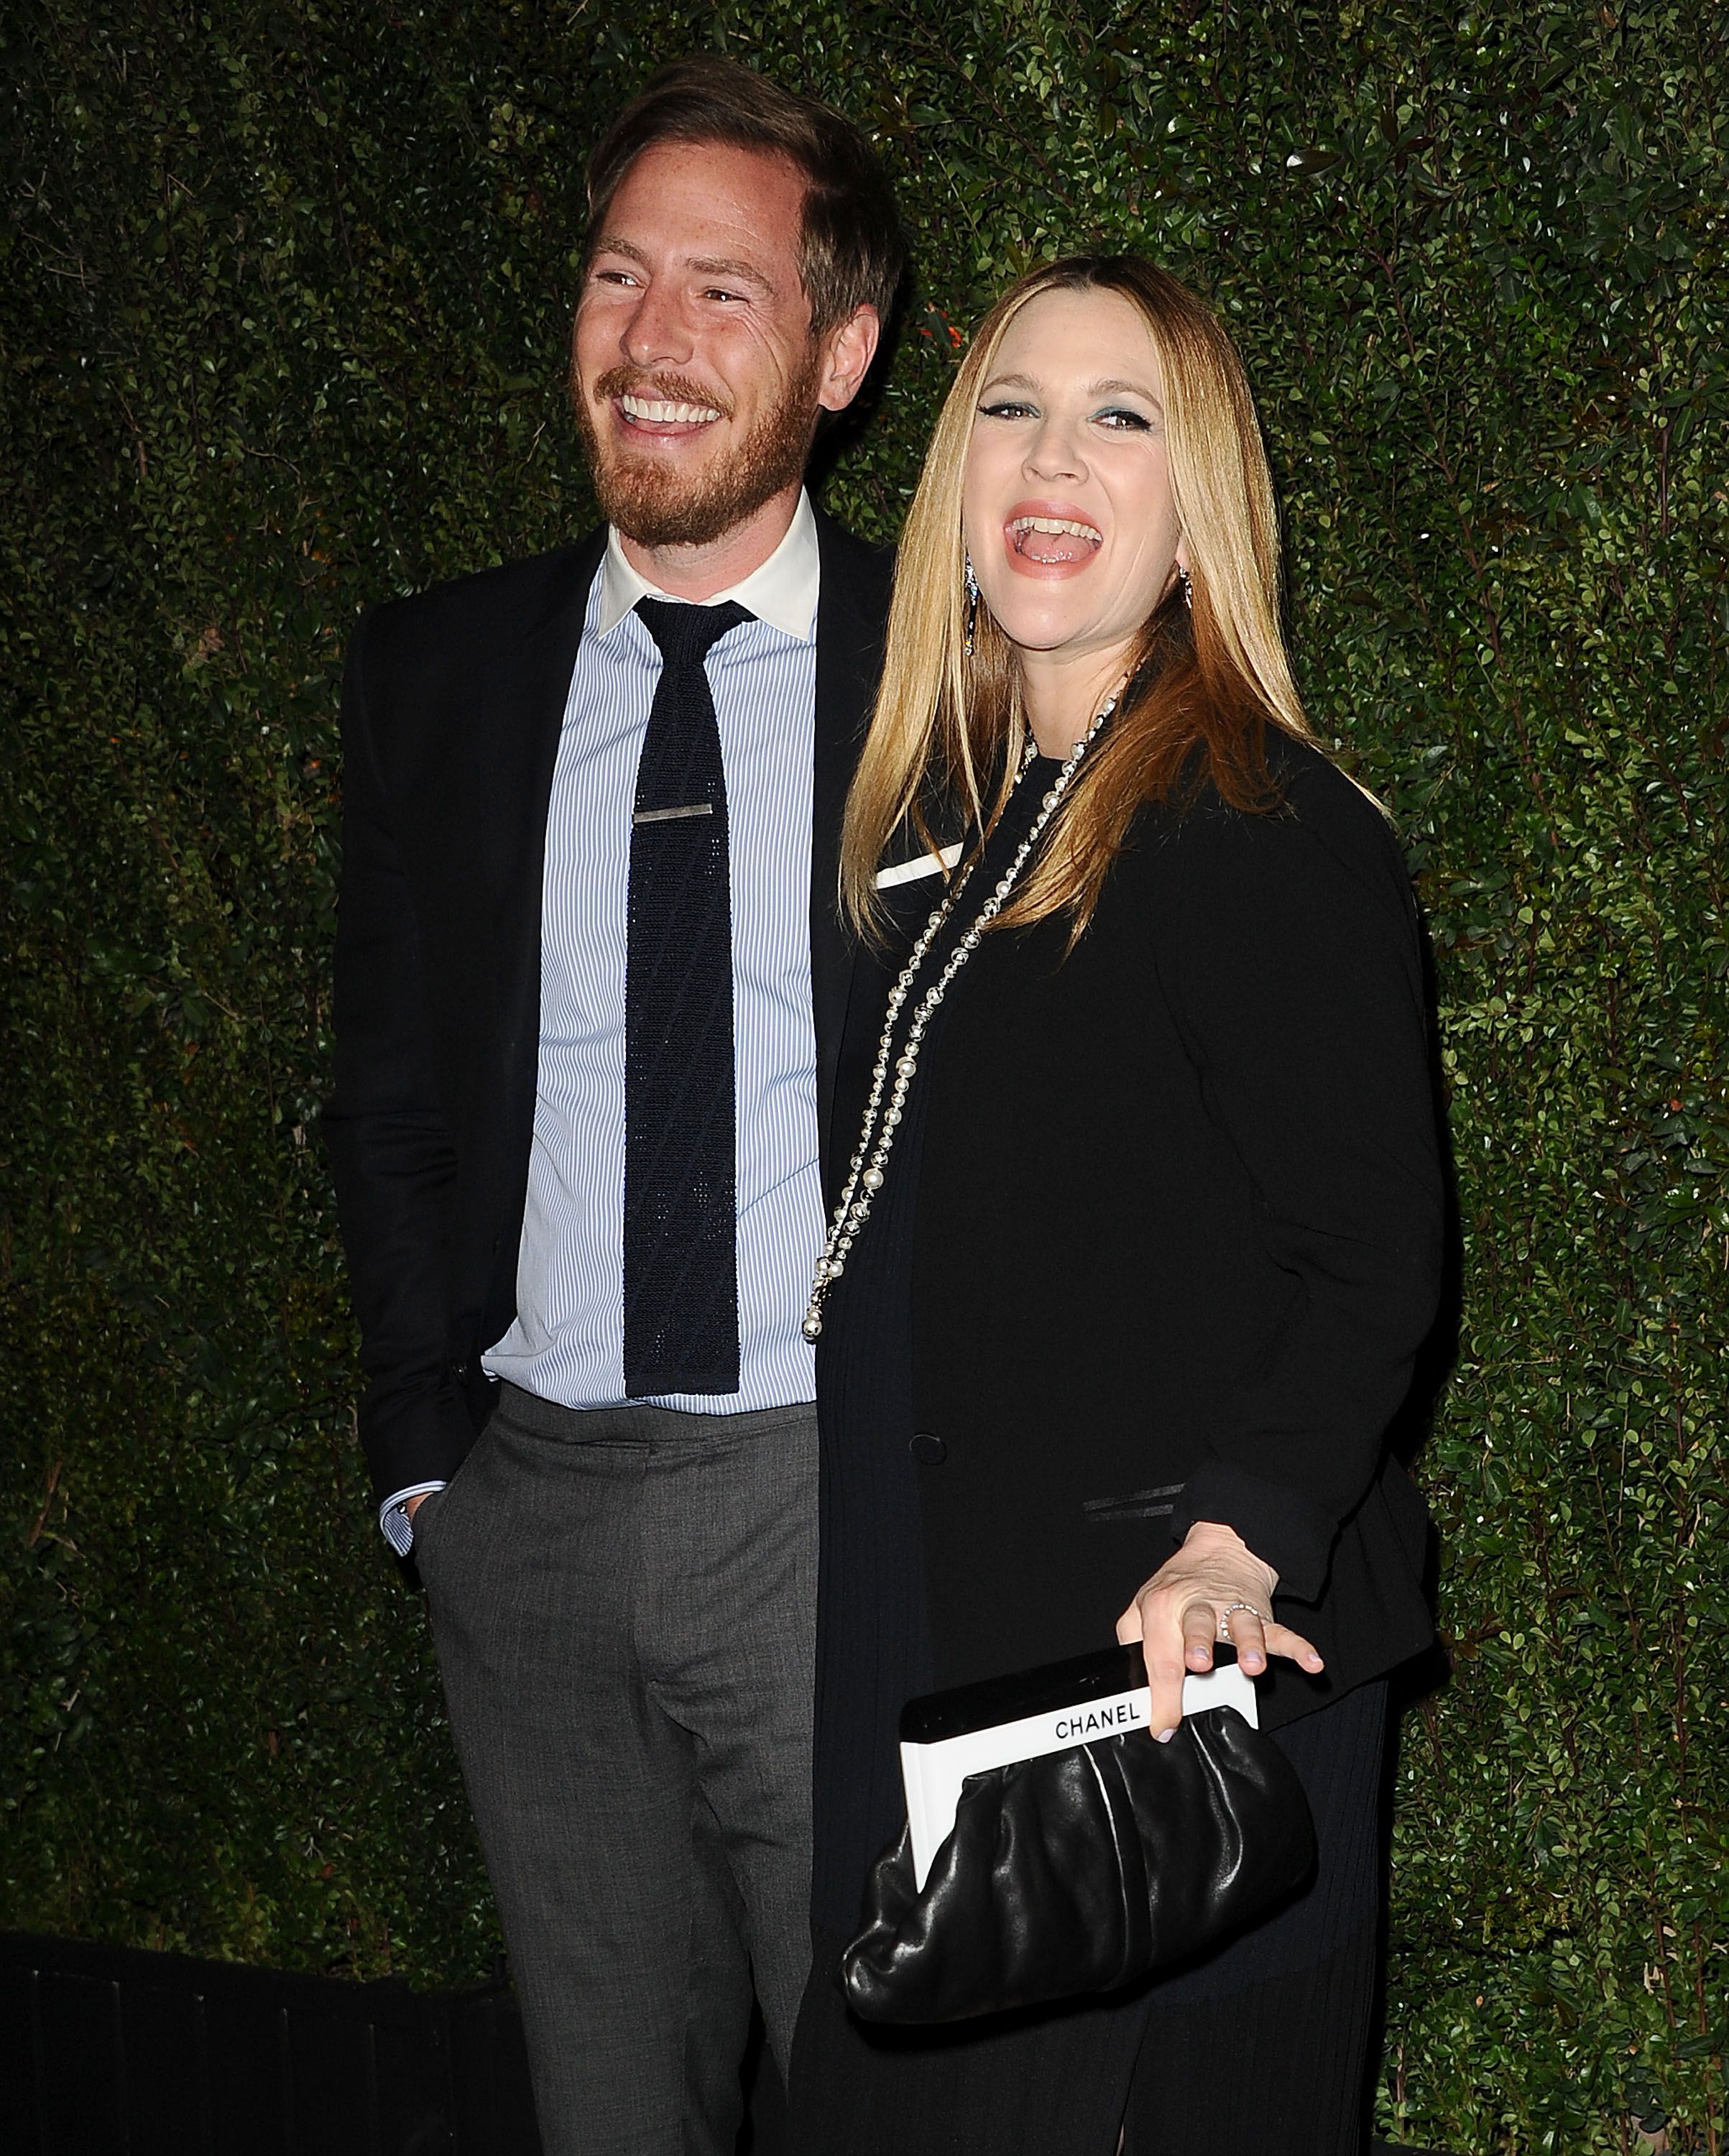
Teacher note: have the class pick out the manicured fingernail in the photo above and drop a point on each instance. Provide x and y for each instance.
(1166, 1735)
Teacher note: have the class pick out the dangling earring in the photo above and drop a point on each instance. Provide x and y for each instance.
(972, 582)
(1188, 589)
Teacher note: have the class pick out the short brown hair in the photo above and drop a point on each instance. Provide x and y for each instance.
(851, 252)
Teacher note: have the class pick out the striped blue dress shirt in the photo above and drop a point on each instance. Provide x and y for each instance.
(567, 1342)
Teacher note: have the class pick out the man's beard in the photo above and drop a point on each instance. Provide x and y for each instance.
(657, 506)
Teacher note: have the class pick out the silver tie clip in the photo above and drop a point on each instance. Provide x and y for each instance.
(672, 815)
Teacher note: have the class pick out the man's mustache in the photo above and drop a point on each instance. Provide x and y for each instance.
(663, 389)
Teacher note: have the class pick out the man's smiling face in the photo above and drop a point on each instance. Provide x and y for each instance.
(695, 379)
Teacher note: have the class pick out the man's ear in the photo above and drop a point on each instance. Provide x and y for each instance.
(848, 350)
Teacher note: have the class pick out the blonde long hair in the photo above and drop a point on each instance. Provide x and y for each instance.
(1207, 679)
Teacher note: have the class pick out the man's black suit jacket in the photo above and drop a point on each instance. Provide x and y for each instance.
(452, 706)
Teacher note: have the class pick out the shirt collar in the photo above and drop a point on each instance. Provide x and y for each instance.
(782, 592)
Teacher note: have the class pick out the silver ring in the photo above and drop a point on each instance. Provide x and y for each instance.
(1224, 1621)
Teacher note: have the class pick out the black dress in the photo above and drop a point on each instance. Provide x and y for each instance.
(1009, 1447)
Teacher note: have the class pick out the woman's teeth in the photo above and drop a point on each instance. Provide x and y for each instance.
(656, 414)
(1057, 536)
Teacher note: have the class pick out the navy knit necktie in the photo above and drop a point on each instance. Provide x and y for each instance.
(680, 1204)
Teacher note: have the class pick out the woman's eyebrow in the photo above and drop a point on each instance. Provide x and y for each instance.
(1110, 386)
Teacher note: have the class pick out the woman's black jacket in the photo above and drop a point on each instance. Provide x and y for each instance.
(1179, 1241)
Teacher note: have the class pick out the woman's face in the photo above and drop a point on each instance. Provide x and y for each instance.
(1066, 508)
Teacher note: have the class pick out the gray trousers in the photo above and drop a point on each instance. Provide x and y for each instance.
(624, 1604)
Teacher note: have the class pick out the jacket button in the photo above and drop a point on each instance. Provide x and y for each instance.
(929, 1450)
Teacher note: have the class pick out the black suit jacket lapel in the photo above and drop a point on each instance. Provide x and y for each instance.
(530, 691)
(851, 615)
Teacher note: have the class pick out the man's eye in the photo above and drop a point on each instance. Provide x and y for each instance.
(1006, 409)
(613, 277)
(720, 292)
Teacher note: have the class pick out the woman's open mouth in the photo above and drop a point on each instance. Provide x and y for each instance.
(1053, 542)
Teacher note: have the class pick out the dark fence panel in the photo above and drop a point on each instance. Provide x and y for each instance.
(109, 2051)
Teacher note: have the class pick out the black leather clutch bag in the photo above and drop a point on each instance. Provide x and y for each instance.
(1081, 1870)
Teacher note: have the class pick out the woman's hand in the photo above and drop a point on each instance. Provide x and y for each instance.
(1198, 1597)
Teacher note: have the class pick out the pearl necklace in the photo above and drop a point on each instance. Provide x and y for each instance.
(876, 1137)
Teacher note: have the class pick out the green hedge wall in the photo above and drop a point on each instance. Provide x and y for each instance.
(283, 297)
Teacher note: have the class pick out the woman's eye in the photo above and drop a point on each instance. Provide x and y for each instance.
(1125, 421)
(1006, 408)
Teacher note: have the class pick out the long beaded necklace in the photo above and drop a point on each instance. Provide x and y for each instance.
(876, 1137)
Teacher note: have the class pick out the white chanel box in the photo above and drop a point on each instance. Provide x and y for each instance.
(946, 1736)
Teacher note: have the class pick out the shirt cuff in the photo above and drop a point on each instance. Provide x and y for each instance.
(393, 1519)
